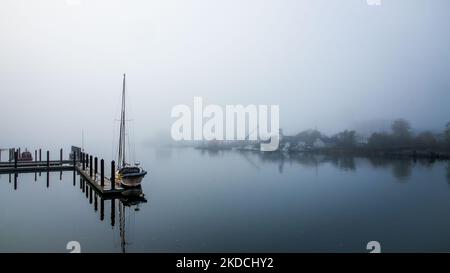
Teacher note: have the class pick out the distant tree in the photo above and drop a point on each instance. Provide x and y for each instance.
(346, 139)
(447, 133)
(308, 136)
(380, 140)
(401, 129)
(426, 140)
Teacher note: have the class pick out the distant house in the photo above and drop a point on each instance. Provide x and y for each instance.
(361, 140)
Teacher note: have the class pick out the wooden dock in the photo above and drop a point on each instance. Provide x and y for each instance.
(95, 181)
(86, 165)
(36, 169)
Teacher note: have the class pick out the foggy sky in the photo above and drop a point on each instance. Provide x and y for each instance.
(328, 64)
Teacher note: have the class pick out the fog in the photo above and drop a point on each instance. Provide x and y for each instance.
(329, 65)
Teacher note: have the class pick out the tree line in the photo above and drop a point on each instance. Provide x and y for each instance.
(401, 136)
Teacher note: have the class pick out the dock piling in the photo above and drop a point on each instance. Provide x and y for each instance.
(95, 166)
(40, 155)
(83, 161)
(48, 159)
(90, 165)
(15, 159)
(61, 156)
(35, 156)
(113, 174)
(102, 173)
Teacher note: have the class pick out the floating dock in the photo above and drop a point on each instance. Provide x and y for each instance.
(107, 189)
(86, 165)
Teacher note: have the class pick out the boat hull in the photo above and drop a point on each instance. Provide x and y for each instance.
(131, 181)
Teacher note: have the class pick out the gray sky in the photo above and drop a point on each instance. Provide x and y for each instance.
(327, 63)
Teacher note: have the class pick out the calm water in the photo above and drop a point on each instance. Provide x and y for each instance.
(231, 201)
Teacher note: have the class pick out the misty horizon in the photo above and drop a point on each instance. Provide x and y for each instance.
(330, 66)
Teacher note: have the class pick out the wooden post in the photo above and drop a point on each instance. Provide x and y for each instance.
(40, 155)
(48, 159)
(102, 173)
(35, 155)
(113, 174)
(90, 165)
(60, 156)
(95, 166)
(15, 159)
(87, 160)
(83, 161)
(74, 161)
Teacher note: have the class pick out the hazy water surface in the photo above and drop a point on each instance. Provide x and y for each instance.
(230, 201)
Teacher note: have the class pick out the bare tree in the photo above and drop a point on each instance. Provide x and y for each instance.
(401, 128)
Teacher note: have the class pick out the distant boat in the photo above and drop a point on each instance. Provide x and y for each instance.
(213, 145)
(25, 156)
(128, 175)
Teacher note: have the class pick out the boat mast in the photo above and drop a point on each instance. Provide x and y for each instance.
(121, 161)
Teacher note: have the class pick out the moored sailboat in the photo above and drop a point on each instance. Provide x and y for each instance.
(128, 175)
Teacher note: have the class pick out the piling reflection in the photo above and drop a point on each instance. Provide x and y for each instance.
(130, 198)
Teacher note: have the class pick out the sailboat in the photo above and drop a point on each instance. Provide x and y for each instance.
(128, 175)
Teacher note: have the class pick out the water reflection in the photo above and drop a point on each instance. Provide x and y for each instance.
(131, 198)
(401, 168)
(448, 173)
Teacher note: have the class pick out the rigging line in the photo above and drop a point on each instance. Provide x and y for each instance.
(114, 152)
(131, 143)
(113, 140)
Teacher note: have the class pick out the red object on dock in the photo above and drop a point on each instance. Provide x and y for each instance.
(25, 156)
